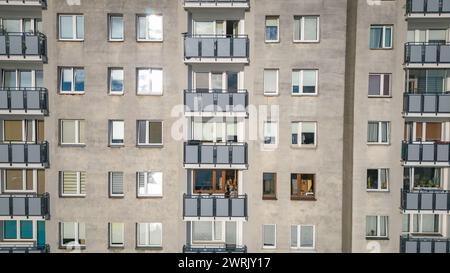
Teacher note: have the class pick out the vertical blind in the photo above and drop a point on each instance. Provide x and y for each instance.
(116, 182)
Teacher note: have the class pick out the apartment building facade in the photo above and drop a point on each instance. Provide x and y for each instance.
(224, 126)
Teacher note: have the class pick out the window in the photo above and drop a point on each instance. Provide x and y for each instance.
(116, 132)
(427, 178)
(71, 27)
(377, 227)
(270, 130)
(272, 28)
(22, 230)
(269, 236)
(116, 184)
(426, 224)
(150, 28)
(217, 130)
(15, 180)
(304, 82)
(307, 133)
(150, 81)
(73, 184)
(150, 184)
(22, 78)
(378, 132)
(72, 132)
(303, 237)
(380, 37)
(208, 232)
(149, 235)
(72, 234)
(215, 181)
(270, 82)
(150, 133)
(116, 32)
(72, 80)
(423, 131)
(303, 186)
(379, 85)
(269, 186)
(20, 131)
(116, 81)
(306, 28)
(116, 235)
(378, 179)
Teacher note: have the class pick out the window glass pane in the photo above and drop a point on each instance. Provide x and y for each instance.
(270, 132)
(117, 183)
(68, 131)
(39, 75)
(383, 226)
(144, 81)
(26, 229)
(9, 79)
(294, 129)
(14, 180)
(202, 231)
(269, 184)
(155, 234)
(422, 36)
(117, 233)
(371, 226)
(68, 232)
(79, 80)
(270, 81)
(428, 223)
(307, 236)
(81, 129)
(385, 132)
(204, 28)
(116, 24)
(10, 229)
(437, 36)
(411, 36)
(294, 240)
(202, 81)
(311, 28)
(155, 132)
(427, 177)
(203, 180)
(218, 231)
(308, 133)
(142, 28)
(372, 132)
(384, 178)
(387, 85)
(142, 129)
(157, 81)
(297, 28)
(27, 25)
(269, 235)
(309, 81)
(66, 27)
(388, 37)
(296, 82)
(66, 78)
(80, 27)
(374, 85)
(25, 79)
(155, 27)
(405, 223)
(142, 236)
(372, 179)
(116, 80)
(376, 37)
(216, 81)
(231, 234)
(154, 183)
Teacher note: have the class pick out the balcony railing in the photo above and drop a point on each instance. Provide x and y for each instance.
(427, 53)
(426, 104)
(23, 44)
(425, 200)
(216, 47)
(214, 249)
(409, 244)
(426, 153)
(427, 7)
(215, 206)
(24, 153)
(24, 249)
(24, 99)
(217, 3)
(25, 205)
(209, 154)
(215, 101)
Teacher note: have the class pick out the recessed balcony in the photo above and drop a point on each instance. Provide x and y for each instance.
(216, 103)
(411, 244)
(428, 8)
(22, 100)
(24, 155)
(216, 48)
(24, 249)
(25, 206)
(23, 46)
(426, 105)
(214, 249)
(204, 155)
(426, 154)
(215, 207)
(425, 201)
(427, 55)
(217, 4)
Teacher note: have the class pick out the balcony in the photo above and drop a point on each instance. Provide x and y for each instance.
(427, 55)
(426, 105)
(32, 101)
(214, 249)
(214, 206)
(24, 155)
(427, 201)
(216, 49)
(217, 4)
(216, 103)
(25, 206)
(21, 46)
(426, 154)
(409, 244)
(209, 155)
(428, 8)
(24, 249)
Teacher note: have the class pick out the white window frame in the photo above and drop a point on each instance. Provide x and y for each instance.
(77, 132)
(277, 91)
(378, 235)
(380, 133)
(110, 38)
(300, 132)
(110, 180)
(24, 182)
(277, 18)
(147, 38)
(111, 133)
(275, 237)
(147, 137)
(17, 72)
(115, 93)
(146, 176)
(299, 243)
(420, 225)
(302, 29)
(74, 27)
(151, 92)
(110, 241)
(379, 189)
(76, 233)
(301, 82)
(72, 91)
(61, 181)
(412, 182)
(381, 91)
(18, 230)
(147, 235)
(384, 36)
(277, 135)
(424, 132)
(213, 232)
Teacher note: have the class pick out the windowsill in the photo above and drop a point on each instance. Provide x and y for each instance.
(379, 144)
(70, 40)
(75, 93)
(377, 238)
(73, 247)
(116, 40)
(116, 94)
(149, 197)
(303, 250)
(72, 196)
(306, 42)
(380, 97)
(378, 191)
(156, 146)
(72, 145)
(390, 48)
(269, 248)
(271, 95)
(300, 147)
(150, 95)
(272, 41)
(268, 198)
(297, 198)
(149, 41)
(149, 248)
(116, 145)
(118, 196)
(305, 94)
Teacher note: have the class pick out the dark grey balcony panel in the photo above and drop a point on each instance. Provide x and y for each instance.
(415, 53)
(207, 102)
(442, 201)
(4, 206)
(412, 201)
(445, 54)
(35, 206)
(17, 100)
(24, 249)
(433, 6)
(240, 47)
(238, 207)
(442, 152)
(31, 45)
(427, 201)
(426, 247)
(446, 6)
(3, 100)
(2, 45)
(222, 206)
(191, 46)
(15, 45)
(411, 247)
(223, 102)
(190, 207)
(428, 153)
(440, 247)
(240, 102)
(34, 153)
(429, 104)
(208, 47)
(15, 153)
(207, 154)
(223, 154)
(409, 244)
(239, 155)
(192, 101)
(417, 6)
(19, 206)
(431, 53)
(206, 207)
(415, 103)
(4, 153)
(191, 154)
(18, 153)
(223, 48)
(444, 104)
(33, 100)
